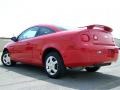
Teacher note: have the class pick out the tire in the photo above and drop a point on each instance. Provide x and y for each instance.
(6, 60)
(92, 69)
(54, 66)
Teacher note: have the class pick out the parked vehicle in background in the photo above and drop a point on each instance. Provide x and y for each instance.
(56, 48)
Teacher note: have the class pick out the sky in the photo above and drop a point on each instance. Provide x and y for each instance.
(18, 15)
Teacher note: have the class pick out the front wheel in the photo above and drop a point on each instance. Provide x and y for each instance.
(54, 65)
(92, 69)
(6, 60)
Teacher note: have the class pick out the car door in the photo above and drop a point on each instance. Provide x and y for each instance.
(24, 46)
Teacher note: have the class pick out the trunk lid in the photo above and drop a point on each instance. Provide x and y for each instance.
(101, 35)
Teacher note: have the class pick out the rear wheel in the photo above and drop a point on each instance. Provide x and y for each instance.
(6, 60)
(54, 65)
(92, 69)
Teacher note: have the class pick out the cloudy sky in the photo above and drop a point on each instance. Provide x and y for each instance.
(17, 15)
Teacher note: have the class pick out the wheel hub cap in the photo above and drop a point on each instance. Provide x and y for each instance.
(6, 59)
(51, 65)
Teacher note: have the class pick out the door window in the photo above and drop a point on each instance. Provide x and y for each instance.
(29, 33)
(44, 31)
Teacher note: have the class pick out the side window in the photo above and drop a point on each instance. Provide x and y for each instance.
(44, 30)
(29, 33)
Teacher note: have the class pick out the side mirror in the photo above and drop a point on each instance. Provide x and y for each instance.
(14, 39)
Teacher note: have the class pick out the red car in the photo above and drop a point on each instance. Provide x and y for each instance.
(56, 48)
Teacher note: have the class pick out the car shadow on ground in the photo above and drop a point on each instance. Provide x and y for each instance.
(74, 79)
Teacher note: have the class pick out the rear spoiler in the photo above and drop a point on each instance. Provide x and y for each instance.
(97, 26)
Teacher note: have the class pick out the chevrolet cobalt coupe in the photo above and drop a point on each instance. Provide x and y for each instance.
(56, 48)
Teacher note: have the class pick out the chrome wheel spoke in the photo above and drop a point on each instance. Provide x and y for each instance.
(55, 70)
(47, 64)
(49, 70)
(51, 59)
(55, 62)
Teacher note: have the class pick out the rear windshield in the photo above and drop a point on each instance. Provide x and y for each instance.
(61, 28)
(67, 28)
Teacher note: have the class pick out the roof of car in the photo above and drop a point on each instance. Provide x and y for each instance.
(54, 27)
(46, 25)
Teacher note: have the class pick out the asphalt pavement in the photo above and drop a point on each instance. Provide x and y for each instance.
(26, 77)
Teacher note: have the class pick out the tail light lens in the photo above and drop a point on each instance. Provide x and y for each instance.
(85, 37)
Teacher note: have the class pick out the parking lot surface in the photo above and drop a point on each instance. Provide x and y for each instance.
(26, 77)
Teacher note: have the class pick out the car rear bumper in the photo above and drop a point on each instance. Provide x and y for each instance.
(92, 55)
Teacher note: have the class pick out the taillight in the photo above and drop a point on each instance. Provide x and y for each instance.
(85, 37)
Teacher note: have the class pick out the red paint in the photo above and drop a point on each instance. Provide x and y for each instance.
(82, 47)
